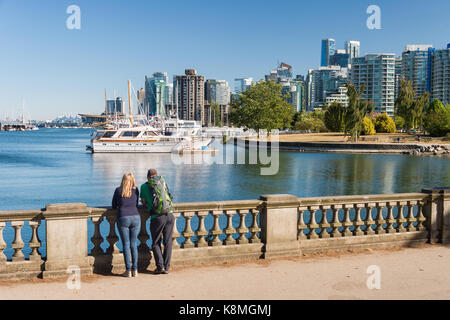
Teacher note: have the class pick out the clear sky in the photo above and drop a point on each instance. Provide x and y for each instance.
(60, 71)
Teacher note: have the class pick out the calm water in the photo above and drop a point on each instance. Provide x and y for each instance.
(51, 166)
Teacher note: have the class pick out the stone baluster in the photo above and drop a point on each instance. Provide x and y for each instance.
(2, 243)
(229, 231)
(390, 219)
(347, 222)
(201, 231)
(336, 224)
(112, 237)
(420, 217)
(400, 218)
(410, 217)
(18, 244)
(358, 221)
(380, 220)
(254, 229)
(369, 220)
(324, 223)
(216, 231)
(187, 233)
(97, 238)
(301, 223)
(175, 234)
(34, 242)
(312, 224)
(143, 234)
(242, 229)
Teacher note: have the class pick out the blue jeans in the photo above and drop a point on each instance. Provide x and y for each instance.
(129, 227)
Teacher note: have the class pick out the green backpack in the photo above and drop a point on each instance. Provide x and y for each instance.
(162, 199)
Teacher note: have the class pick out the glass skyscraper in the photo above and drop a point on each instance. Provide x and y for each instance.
(155, 91)
(416, 67)
(328, 49)
(440, 75)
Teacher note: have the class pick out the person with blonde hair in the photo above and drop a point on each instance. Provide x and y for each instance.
(126, 200)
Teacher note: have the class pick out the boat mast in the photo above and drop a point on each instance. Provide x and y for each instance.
(129, 102)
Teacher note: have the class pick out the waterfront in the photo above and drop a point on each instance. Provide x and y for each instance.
(51, 166)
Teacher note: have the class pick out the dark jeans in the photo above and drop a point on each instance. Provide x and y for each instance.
(161, 229)
(129, 227)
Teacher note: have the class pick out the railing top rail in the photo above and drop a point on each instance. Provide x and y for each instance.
(357, 199)
(20, 215)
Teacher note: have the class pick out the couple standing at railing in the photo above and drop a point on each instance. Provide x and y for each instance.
(155, 197)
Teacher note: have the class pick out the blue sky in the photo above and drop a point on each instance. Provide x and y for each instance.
(60, 71)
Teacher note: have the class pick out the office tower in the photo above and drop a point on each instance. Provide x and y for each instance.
(340, 58)
(416, 67)
(242, 84)
(155, 89)
(282, 74)
(218, 91)
(114, 106)
(119, 105)
(190, 95)
(298, 94)
(324, 82)
(141, 101)
(440, 75)
(328, 49)
(352, 48)
(169, 100)
(398, 75)
(377, 72)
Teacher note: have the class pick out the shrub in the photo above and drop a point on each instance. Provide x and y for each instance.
(399, 122)
(310, 123)
(384, 124)
(368, 127)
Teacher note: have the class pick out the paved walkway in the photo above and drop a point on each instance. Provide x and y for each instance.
(413, 273)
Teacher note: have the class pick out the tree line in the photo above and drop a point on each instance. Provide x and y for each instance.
(265, 106)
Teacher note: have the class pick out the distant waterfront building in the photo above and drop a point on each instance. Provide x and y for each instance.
(328, 49)
(155, 90)
(282, 74)
(219, 92)
(324, 82)
(242, 84)
(340, 58)
(340, 97)
(377, 72)
(190, 95)
(440, 75)
(141, 101)
(398, 75)
(352, 48)
(114, 106)
(416, 67)
(298, 94)
(169, 100)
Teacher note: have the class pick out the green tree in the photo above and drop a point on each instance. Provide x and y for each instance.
(384, 124)
(409, 108)
(356, 110)
(437, 122)
(312, 123)
(399, 122)
(215, 109)
(435, 106)
(334, 117)
(262, 106)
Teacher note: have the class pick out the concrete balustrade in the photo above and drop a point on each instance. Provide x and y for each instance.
(211, 232)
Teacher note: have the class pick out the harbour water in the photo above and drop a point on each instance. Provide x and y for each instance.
(52, 166)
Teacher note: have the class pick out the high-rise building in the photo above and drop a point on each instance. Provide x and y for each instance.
(398, 75)
(352, 48)
(219, 92)
(298, 94)
(142, 109)
(416, 67)
(155, 89)
(190, 95)
(328, 49)
(169, 100)
(324, 82)
(282, 74)
(115, 106)
(242, 84)
(340, 58)
(340, 97)
(377, 73)
(440, 75)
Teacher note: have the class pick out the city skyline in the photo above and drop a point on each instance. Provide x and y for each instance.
(59, 71)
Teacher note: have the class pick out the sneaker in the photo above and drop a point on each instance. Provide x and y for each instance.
(126, 274)
(134, 273)
(159, 271)
(166, 271)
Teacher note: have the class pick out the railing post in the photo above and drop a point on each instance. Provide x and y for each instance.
(279, 225)
(437, 213)
(66, 226)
